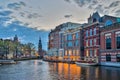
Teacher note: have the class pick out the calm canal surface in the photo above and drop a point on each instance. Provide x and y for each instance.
(40, 70)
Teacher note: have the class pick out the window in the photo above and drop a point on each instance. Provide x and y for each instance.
(70, 52)
(77, 35)
(108, 22)
(118, 42)
(87, 33)
(94, 31)
(95, 52)
(108, 57)
(69, 44)
(66, 52)
(69, 37)
(118, 57)
(108, 43)
(87, 53)
(77, 53)
(94, 42)
(73, 36)
(86, 43)
(90, 32)
(90, 42)
(91, 53)
(76, 43)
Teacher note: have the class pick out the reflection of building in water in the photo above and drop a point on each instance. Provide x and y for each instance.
(109, 73)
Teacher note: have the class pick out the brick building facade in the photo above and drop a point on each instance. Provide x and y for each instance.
(110, 44)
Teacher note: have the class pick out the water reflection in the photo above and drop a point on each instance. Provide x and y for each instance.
(66, 71)
(40, 70)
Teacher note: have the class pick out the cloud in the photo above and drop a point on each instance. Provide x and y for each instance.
(114, 4)
(22, 14)
(5, 13)
(68, 16)
(67, 1)
(16, 6)
(117, 12)
(102, 6)
(33, 15)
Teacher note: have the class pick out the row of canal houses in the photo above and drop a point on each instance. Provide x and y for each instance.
(98, 40)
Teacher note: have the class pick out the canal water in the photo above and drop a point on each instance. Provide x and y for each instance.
(40, 70)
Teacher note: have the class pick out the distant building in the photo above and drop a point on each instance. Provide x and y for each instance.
(40, 51)
(110, 45)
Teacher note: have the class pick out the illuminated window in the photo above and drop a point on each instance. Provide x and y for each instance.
(95, 52)
(86, 43)
(66, 53)
(87, 53)
(70, 52)
(77, 52)
(74, 52)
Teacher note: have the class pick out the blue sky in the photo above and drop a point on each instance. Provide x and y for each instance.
(43, 15)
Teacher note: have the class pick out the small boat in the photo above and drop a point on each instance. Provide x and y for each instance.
(7, 62)
(86, 63)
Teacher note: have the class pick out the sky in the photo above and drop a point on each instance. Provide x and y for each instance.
(44, 15)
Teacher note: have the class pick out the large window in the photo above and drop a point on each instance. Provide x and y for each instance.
(118, 42)
(108, 57)
(69, 37)
(87, 33)
(108, 43)
(90, 32)
(69, 44)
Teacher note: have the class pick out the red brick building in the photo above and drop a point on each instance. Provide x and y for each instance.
(91, 42)
(110, 44)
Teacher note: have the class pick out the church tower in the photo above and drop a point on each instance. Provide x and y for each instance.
(40, 52)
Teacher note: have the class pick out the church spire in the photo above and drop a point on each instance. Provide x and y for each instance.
(40, 51)
(39, 44)
(15, 38)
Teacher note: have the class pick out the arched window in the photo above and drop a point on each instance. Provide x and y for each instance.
(108, 22)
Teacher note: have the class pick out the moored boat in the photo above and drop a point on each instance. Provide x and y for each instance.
(86, 63)
(7, 62)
